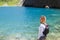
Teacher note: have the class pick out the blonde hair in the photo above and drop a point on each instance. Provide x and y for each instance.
(43, 19)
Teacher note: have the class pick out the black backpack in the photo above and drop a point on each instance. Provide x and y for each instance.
(46, 31)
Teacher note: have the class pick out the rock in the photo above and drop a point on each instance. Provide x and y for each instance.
(42, 3)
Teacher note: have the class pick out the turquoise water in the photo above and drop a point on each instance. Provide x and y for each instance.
(21, 23)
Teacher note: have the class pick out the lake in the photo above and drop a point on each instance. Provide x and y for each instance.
(21, 23)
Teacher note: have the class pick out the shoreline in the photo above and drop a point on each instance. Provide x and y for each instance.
(28, 6)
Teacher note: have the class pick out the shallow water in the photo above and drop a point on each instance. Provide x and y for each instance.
(21, 23)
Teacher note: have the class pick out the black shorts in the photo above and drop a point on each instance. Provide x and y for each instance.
(42, 38)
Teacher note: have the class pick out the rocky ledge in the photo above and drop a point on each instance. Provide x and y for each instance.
(42, 3)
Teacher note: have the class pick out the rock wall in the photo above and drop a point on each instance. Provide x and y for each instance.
(42, 3)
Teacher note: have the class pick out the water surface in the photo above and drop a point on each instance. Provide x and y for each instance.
(21, 23)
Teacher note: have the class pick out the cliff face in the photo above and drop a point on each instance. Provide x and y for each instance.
(41, 3)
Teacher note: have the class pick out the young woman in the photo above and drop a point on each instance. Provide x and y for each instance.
(43, 29)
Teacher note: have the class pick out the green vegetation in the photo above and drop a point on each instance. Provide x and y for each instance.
(9, 2)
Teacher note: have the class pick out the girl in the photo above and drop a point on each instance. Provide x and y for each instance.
(43, 29)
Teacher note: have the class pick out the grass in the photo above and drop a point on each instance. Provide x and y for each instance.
(14, 2)
(10, 3)
(1, 3)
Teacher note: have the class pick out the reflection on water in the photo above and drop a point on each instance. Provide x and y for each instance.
(21, 23)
